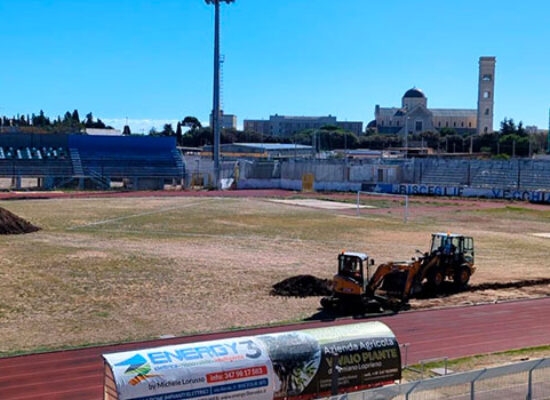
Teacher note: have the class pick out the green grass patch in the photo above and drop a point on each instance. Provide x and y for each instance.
(478, 361)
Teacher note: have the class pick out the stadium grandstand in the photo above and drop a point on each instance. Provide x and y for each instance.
(94, 162)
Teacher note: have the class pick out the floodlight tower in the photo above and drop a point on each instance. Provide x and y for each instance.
(216, 110)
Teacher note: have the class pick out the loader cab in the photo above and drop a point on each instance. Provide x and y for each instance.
(350, 265)
(451, 244)
(353, 273)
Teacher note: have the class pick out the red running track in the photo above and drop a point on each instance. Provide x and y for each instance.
(453, 332)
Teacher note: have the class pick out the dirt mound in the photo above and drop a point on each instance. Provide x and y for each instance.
(11, 224)
(302, 286)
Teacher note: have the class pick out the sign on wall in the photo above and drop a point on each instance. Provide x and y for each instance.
(535, 196)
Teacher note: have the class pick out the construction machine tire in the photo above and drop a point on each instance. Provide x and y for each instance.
(435, 280)
(462, 277)
(330, 303)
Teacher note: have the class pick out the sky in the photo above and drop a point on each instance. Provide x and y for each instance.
(152, 61)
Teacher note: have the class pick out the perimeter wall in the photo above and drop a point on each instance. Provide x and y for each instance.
(514, 179)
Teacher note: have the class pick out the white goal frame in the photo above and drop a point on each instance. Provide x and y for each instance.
(401, 196)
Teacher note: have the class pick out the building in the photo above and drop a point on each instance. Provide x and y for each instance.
(229, 121)
(285, 126)
(486, 95)
(261, 150)
(103, 132)
(414, 116)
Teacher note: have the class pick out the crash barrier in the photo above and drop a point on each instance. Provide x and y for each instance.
(529, 380)
(305, 364)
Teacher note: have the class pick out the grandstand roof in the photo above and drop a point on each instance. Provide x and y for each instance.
(273, 146)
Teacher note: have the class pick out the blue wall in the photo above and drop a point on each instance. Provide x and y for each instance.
(17, 140)
(118, 144)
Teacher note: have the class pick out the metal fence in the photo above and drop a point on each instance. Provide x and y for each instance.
(529, 380)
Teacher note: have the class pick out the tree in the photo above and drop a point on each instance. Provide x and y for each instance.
(89, 120)
(168, 130)
(67, 119)
(126, 131)
(76, 117)
(508, 127)
(447, 132)
(41, 120)
(192, 122)
(330, 138)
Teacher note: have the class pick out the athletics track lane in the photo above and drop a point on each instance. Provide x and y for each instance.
(452, 332)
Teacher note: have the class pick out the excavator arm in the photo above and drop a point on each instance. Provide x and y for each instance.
(416, 270)
(384, 270)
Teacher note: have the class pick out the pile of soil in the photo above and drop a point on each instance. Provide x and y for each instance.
(302, 286)
(11, 224)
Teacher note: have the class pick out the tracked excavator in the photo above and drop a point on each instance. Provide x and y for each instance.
(391, 285)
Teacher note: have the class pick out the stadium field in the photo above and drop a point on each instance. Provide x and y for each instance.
(119, 269)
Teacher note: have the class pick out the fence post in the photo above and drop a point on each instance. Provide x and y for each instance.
(530, 382)
(358, 199)
(472, 384)
(405, 347)
(406, 208)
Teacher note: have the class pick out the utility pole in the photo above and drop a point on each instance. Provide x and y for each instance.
(216, 109)
(407, 137)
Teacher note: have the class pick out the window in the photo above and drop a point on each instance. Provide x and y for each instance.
(486, 95)
(485, 130)
(439, 124)
(469, 124)
(487, 77)
(487, 112)
(454, 124)
(397, 123)
(446, 124)
(462, 124)
(418, 126)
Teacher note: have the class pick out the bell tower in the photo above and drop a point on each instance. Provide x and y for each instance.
(486, 95)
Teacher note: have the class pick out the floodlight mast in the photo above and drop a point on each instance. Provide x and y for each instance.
(216, 110)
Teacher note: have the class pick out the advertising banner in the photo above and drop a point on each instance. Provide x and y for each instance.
(289, 365)
(234, 368)
(534, 196)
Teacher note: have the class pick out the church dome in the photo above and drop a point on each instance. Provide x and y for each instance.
(414, 93)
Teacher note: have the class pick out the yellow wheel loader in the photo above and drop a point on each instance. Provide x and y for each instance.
(391, 285)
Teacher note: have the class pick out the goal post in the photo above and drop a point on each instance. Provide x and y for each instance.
(403, 200)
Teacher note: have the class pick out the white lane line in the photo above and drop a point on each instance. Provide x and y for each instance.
(144, 214)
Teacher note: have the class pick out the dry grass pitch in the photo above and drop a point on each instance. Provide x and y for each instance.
(107, 270)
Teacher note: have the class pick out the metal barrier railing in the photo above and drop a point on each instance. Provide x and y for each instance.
(529, 380)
